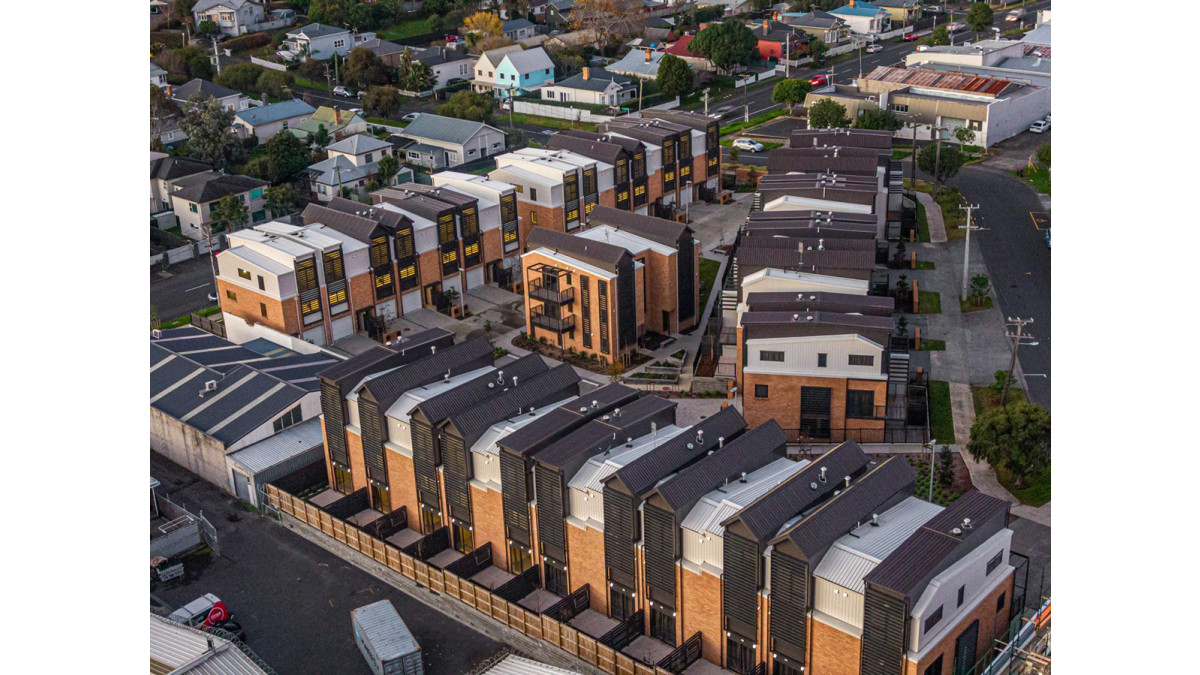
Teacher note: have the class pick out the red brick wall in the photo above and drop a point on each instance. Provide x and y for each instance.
(550, 218)
(493, 246)
(362, 293)
(833, 652)
(281, 315)
(429, 269)
(700, 610)
(608, 198)
(402, 485)
(585, 550)
(487, 516)
(783, 401)
(358, 470)
(992, 623)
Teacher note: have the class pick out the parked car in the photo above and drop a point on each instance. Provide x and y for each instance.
(933, 8)
(819, 80)
(911, 37)
(411, 117)
(207, 612)
(1040, 126)
(1014, 16)
(357, 111)
(506, 104)
(212, 297)
(955, 26)
(342, 91)
(748, 145)
(922, 48)
(722, 111)
(874, 48)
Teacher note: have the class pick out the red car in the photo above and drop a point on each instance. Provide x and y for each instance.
(911, 37)
(819, 80)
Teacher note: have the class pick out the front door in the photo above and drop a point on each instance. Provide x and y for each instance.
(464, 538)
(556, 578)
(430, 520)
(662, 623)
(342, 482)
(620, 606)
(740, 655)
(666, 325)
(814, 411)
(241, 486)
(381, 501)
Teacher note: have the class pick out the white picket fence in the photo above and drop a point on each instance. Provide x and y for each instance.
(577, 114)
(267, 64)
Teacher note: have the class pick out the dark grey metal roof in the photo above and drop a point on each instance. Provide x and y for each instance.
(570, 452)
(809, 242)
(602, 255)
(750, 255)
(598, 80)
(221, 355)
(168, 168)
(842, 303)
(207, 187)
(641, 474)
(413, 202)
(390, 220)
(631, 145)
(461, 358)
(471, 393)
(202, 88)
(348, 223)
(761, 519)
(567, 417)
(548, 387)
(687, 118)
(792, 216)
(379, 358)
(609, 153)
(442, 194)
(661, 230)
(935, 546)
(782, 164)
(858, 138)
(888, 482)
(826, 318)
(753, 449)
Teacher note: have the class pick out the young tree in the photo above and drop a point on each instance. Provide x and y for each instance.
(980, 285)
(484, 24)
(949, 164)
(388, 168)
(1003, 379)
(363, 69)
(939, 36)
(209, 129)
(884, 120)
(286, 156)
(674, 76)
(604, 18)
(791, 93)
(1043, 155)
(206, 28)
(817, 49)
(321, 138)
(945, 468)
(382, 101)
(468, 105)
(280, 199)
(1016, 437)
(162, 109)
(827, 114)
(229, 214)
(979, 18)
(727, 44)
(964, 135)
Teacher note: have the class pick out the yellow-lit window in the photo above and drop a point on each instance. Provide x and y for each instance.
(533, 217)
(588, 209)
(408, 272)
(383, 280)
(712, 161)
(245, 274)
(310, 306)
(449, 257)
(670, 175)
(623, 196)
(639, 191)
(337, 296)
(471, 249)
(520, 188)
(685, 170)
(231, 295)
(510, 236)
(573, 214)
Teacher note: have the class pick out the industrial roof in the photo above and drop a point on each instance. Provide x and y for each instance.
(604, 256)
(965, 83)
(644, 472)
(598, 468)
(661, 230)
(351, 371)
(210, 351)
(842, 303)
(855, 554)
(444, 129)
(178, 649)
(265, 114)
(517, 665)
(460, 358)
(272, 450)
(724, 502)
(758, 446)
(1039, 36)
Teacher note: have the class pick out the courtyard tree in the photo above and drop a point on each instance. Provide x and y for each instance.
(1015, 437)
(827, 114)
(791, 93)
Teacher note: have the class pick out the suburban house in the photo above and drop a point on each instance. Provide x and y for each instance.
(592, 86)
(229, 98)
(337, 122)
(349, 166)
(210, 397)
(639, 63)
(680, 49)
(519, 29)
(864, 18)
(194, 196)
(557, 14)
(821, 25)
(265, 121)
(388, 52)
(902, 12)
(443, 142)
(164, 172)
(732, 7)
(158, 76)
(239, 17)
(777, 40)
(447, 64)
(321, 42)
(510, 72)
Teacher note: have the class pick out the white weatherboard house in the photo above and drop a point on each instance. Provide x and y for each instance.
(595, 87)
(265, 121)
(318, 41)
(442, 142)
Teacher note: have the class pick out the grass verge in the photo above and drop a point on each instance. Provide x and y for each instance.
(708, 276)
(933, 345)
(898, 155)
(1039, 178)
(969, 305)
(985, 399)
(929, 302)
(1037, 487)
(941, 418)
(922, 224)
(416, 26)
(925, 265)
(754, 121)
(950, 199)
(551, 122)
(187, 318)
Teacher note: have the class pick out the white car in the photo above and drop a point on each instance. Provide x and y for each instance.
(933, 8)
(196, 612)
(748, 145)
(1013, 16)
(874, 48)
(357, 111)
(342, 91)
(411, 117)
(1040, 126)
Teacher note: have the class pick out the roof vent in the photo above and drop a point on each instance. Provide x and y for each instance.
(795, 317)
(875, 520)
(156, 333)
(812, 297)
(823, 470)
(820, 244)
(812, 485)
(847, 481)
(606, 418)
(616, 412)
(583, 408)
(966, 523)
(809, 317)
(500, 377)
(956, 531)
(209, 386)
(432, 350)
(629, 441)
(595, 403)
(514, 380)
(720, 441)
(699, 437)
(690, 446)
(743, 478)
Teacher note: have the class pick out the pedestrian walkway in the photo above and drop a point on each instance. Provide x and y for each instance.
(933, 216)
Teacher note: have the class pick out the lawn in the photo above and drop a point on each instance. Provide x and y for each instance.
(933, 345)
(187, 318)
(925, 264)
(949, 200)
(754, 121)
(922, 224)
(410, 28)
(985, 399)
(551, 122)
(969, 305)
(1037, 487)
(929, 302)
(941, 419)
(312, 84)
(708, 275)
(898, 155)
(1037, 177)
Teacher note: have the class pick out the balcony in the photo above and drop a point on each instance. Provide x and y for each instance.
(538, 291)
(558, 325)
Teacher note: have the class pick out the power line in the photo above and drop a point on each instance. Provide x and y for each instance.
(1017, 336)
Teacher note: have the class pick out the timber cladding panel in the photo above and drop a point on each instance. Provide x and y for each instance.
(457, 476)
(373, 436)
(549, 490)
(619, 531)
(332, 409)
(425, 464)
(515, 498)
(740, 588)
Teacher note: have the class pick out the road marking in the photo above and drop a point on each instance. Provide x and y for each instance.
(197, 287)
(1041, 220)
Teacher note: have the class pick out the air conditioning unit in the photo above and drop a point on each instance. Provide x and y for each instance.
(210, 385)
(156, 333)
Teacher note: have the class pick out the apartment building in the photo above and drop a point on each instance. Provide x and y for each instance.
(705, 169)
(498, 217)
(582, 294)
(626, 155)
(556, 189)
(666, 142)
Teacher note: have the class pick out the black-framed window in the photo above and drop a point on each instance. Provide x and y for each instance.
(1000, 601)
(862, 359)
(335, 269)
(262, 308)
(822, 360)
(262, 284)
(995, 562)
(289, 418)
(962, 591)
(662, 624)
(773, 356)
(519, 559)
(935, 668)
(620, 606)
(245, 274)
(933, 619)
(860, 403)
(760, 391)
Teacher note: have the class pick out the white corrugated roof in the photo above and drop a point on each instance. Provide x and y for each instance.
(854, 555)
(279, 447)
(416, 396)
(626, 240)
(720, 504)
(517, 665)
(487, 443)
(592, 475)
(176, 646)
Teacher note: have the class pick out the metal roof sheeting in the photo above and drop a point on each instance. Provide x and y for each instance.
(598, 468)
(516, 665)
(489, 442)
(759, 446)
(178, 649)
(280, 447)
(726, 501)
(385, 630)
(853, 556)
(932, 79)
(644, 472)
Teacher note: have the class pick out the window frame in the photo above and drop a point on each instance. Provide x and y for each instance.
(765, 389)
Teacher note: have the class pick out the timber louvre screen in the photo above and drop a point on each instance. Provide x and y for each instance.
(550, 509)
(372, 439)
(789, 605)
(425, 464)
(457, 476)
(335, 429)
(885, 622)
(741, 584)
(618, 532)
(513, 496)
(626, 307)
(660, 550)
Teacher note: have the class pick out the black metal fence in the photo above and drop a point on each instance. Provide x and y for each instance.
(625, 632)
(684, 655)
(388, 524)
(858, 434)
(521, 585)
(472, 563)
(564, 610)
(349, 505)
(430, 545)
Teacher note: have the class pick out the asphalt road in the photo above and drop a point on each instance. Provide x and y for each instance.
(293, 597)
(184, 291)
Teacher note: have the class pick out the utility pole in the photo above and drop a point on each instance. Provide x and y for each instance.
(912, 181)
(706, 102)
(746, 98)
(970, 209)
(787, 61)
(932, 456)
(1012, 362)
(206, 230)
(217, 57)
(641, 88)
(937, 160)
(328, 85)
(860, 46)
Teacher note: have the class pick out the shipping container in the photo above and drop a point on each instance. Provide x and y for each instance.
(385, 641)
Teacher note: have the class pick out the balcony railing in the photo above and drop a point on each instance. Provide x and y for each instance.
(538, 291)
(558, 325)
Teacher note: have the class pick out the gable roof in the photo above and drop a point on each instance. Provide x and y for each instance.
(221, 355)
(461, 358)
(381, 47)
(170, 168)
(275, 112)
(208, 186)
(517, 24)
(350, 372)
(598, 150)
(391, 220)
(350, 224)
(203, 88)
(680, 48)
(316, 30)
(635, 62)
(444, 129)
(493, 57)
(813, 19)
(858, 9)
(473, 392)
(570, 451)
(202, 5)
(598, 80)
(434, 56)
(661, 230)
(643, 473)
(358, 144)
(604, 256)
(566, 417)
(540, 389)
(529, 60)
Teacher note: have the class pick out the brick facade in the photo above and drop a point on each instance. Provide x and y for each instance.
(487, 517)
(358, 469)
(783, 402)
(548, 217)
(834, 652)
(402, 486)
(700, 610)
(574, 339)
(493, 248)
(281, 314)
(585, 550)
(609, 198)
(992, 623)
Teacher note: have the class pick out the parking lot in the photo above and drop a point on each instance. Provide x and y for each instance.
(292, 597)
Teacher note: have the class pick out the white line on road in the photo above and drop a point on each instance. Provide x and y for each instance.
(197, 287)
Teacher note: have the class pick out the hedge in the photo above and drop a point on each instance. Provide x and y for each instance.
(246, 42)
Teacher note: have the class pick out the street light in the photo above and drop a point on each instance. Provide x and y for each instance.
(932, 455)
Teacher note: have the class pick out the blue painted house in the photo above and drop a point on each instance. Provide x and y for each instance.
(864, 17)
(523, 72)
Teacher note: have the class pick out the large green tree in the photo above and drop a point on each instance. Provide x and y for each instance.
(363, 69)
(979, 18)
(382, 101)
(280, 199)
(241, 76)
(941, 168)
(276, 84)
(329, 12)
(939, 36)
(791, 93)
(817, 49)
(827, 114)
(884, 120)
(414, 76)
(388, 168)
(675, 76)
(286, 156)
(468, 105)
(727, 44)
(210, 134)
(1015, 437)
(229, 213)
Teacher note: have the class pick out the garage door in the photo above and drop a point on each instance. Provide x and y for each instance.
(315, 335)
(343, 327)
(475, 277)
(814, 411)
(411, 302)
(386, 310)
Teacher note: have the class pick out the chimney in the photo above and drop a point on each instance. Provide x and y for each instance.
(336, 115)
(766, 26)
(851, 3)
(587, 73)
(647, 56)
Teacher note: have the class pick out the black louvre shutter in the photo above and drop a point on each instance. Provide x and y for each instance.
(687, 279)
(884, 623)
(618, 531)
(516, 501)
(550, 508)
(425, 464)
(626, 308)
(741, 584)
(661, 535)
(373, 435)
(789, 605)
(814, 411)
(335, 423)
(458, 476)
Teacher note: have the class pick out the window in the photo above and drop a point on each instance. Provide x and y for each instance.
(306, 275)
(774, 357)
(547, 71)
(933, 619)
(822, 360)
(310, 306)
(338, 44)
(262, 309)
(337, 297)
(290, 418)
(1000, 602)
(962, 590)
(760, 391)
(335, 269)
(256, 193)
(262, 285)
(533, 194)
(898, 107)
(533, 217)
(259, 216)
(231, 295)
(860, 403)
(862, 359)
(245, 274)
(192, 208)
(935, 668)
